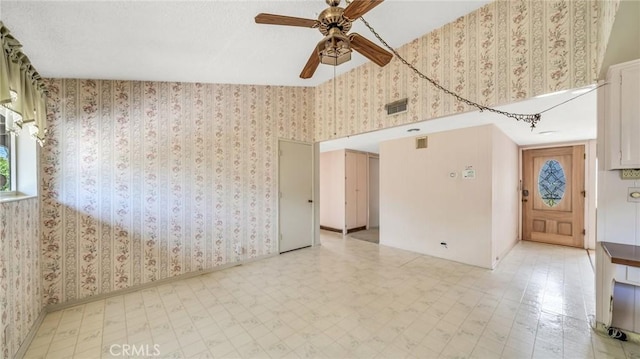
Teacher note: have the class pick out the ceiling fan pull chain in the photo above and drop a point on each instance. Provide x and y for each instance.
(335, 109)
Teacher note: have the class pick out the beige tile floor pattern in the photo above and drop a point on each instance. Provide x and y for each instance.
(349, 299)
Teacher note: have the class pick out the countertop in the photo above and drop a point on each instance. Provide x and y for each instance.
(624, 254)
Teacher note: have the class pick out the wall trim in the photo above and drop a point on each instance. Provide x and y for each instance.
(22, 350)
(331, 229)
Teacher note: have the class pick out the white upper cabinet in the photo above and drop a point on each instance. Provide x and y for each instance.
(622, 111)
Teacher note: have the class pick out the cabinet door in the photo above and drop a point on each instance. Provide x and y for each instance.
(630, 117)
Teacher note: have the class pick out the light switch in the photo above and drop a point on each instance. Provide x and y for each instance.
(633, 194)
(469, 174)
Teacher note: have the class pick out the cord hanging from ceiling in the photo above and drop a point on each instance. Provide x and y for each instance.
(335, 109)
(531, 119)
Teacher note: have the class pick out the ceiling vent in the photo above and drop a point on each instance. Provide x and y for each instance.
(421, 142)
(396, 107)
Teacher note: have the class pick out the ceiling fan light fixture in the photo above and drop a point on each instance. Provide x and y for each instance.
(334, 23)
(335, 48)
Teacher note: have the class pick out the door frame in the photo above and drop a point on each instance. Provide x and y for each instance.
(315, 185)
(590, 172)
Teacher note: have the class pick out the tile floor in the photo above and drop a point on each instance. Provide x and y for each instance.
(349, 299)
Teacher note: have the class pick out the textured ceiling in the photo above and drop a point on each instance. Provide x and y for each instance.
(199, 41)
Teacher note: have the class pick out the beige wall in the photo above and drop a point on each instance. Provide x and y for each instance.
(421, 205)
(20, 274)
(617, 33)
(332, 191)
(148, 180)
(505, 211)
(503, 52)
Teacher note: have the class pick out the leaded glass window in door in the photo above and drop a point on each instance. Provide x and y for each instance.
(552, 183)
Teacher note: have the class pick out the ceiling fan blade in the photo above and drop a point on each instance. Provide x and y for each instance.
(272, 19)
(311, 66)
(358, 8)
(370, 50)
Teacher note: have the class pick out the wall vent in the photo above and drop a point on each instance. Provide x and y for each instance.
(396, 107)
(421, 142)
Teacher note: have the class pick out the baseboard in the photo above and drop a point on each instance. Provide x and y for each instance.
(32, 334)
(331, 229)
(356, 229)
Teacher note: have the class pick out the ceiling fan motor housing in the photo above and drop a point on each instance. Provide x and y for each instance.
(330, 18)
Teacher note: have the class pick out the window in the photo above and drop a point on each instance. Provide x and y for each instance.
(552, 183)
(18, 163)
(7, 183)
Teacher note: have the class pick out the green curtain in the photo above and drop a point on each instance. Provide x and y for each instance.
(22, 91)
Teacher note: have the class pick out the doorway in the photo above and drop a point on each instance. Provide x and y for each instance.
(295, 178)
(553, 192)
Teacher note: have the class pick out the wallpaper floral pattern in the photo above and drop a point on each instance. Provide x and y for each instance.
(20, 277)
(148, 180)
(504, 52)
(607, 10)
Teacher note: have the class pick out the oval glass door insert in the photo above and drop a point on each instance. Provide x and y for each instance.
(551, 183)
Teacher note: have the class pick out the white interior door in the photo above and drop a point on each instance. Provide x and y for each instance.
(296, 195)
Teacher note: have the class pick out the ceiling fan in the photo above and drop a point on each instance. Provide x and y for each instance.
(334, 23)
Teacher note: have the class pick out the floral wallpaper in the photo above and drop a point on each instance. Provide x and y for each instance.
(20, 276)
(504, 52)
(606, 17)
(148, 180)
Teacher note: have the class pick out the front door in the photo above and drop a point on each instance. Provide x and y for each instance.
(553, 195)
(296, 194)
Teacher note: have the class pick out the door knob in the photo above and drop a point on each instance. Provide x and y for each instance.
(310, 201)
